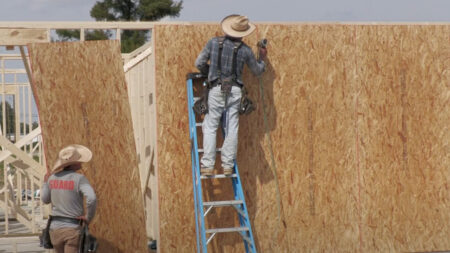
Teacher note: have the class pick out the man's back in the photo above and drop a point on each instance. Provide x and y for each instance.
(65, 190)
(244, 55)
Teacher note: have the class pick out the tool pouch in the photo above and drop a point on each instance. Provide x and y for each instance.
(227, 84)
(45, 236)
(246, 106)
(88, 243)
(201, 105)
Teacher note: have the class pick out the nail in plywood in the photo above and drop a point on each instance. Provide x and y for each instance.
(22, 36)
(81, 96)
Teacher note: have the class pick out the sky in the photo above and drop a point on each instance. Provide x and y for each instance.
(256, 10)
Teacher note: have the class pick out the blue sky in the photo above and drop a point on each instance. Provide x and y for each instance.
(256, 10)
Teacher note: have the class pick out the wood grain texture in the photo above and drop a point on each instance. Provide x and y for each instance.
(21, 37)
(82, 98)
(343, 106)
(404, 118)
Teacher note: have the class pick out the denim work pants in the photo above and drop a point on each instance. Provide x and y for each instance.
(216, 106)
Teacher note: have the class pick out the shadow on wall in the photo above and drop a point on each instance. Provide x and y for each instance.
(106, 246)
(253, 161)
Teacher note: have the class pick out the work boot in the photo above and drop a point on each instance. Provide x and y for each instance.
(227, 171)
(206, 171)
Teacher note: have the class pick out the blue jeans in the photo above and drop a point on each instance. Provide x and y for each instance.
(216, 106)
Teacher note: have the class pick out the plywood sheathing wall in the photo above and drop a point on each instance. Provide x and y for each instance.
(358, 119)
(404, 77)
(82, 98)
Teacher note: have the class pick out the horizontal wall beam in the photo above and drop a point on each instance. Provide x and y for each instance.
(13, 71)
(9, 86)
(8, 89)
(20, 36)
(150, 25)
(10, 57)
(79, 25)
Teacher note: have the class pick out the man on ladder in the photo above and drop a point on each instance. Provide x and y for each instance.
(227, 56)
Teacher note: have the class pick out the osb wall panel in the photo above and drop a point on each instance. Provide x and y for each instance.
(311, 143)
(82, 98)
(403, 120)
(307, 95)
(174, 46)
(323, 194)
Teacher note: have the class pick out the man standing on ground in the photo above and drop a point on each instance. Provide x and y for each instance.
(65, 189)
(226, 56)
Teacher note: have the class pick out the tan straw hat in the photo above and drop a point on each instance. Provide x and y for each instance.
(237, 26)
(72, 154)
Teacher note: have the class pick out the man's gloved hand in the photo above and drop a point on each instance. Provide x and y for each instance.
(262, 53)
(204, 69)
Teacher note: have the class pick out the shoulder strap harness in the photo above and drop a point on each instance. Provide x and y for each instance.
(236, 47)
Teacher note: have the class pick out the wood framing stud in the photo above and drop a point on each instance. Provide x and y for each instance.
(37, 169)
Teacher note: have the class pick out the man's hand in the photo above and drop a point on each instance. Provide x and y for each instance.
(84, 218)
(46, 176)
(262, 53)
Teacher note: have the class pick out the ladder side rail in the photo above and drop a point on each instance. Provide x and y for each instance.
(193, 159)
(244, 221)
(196, 174)
(239, 195)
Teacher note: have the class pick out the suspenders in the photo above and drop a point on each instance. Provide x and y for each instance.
(236, 47)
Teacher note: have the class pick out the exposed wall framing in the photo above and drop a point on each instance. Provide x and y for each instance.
(139, 72)
(21, 158)
(137, 63)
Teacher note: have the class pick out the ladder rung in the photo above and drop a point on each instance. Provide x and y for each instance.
(223, 203)
(200, 150)
(226, 230)
(219, 176)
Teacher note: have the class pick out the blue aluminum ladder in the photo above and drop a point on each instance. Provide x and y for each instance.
(205, 235)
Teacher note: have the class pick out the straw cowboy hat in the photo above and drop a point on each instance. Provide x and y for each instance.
(71, 154)
(237, 26)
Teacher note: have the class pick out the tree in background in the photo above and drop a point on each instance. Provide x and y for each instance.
(126, 10)
(10, 118)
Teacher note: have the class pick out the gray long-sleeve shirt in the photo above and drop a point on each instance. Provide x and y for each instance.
(244, 55)
(65, 190)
